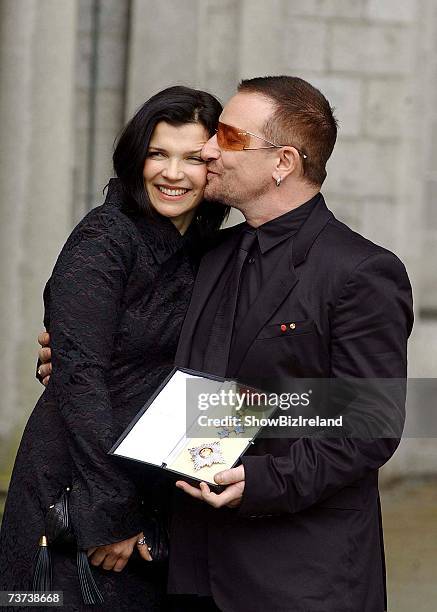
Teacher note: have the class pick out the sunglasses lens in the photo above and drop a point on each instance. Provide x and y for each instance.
(230, 138)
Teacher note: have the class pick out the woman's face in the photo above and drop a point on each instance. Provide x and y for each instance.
(174, 173)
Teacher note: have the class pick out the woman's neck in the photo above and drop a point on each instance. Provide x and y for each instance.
(183, 222)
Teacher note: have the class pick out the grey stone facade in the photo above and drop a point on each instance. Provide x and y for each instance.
(72, 71)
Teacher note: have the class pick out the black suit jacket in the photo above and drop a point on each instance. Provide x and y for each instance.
(307, 536)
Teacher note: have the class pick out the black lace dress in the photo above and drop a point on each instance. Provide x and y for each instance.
(114, 307)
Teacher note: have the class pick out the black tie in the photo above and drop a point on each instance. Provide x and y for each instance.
(217, 351)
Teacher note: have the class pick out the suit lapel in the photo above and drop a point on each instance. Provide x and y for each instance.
(280, 284)
(211, 267)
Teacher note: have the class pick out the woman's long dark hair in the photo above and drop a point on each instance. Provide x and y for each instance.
(176, 105)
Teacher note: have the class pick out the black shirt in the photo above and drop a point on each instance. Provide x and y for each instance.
(272, 238)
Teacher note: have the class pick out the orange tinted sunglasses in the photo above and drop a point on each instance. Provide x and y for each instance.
(230, 138)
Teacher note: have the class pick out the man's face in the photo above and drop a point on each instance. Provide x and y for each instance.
(239, 177)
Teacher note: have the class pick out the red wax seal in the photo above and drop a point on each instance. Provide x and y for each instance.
(283, 327)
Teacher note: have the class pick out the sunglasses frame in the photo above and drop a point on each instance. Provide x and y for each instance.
(247, 133)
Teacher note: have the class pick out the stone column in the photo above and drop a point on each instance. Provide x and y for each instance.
(163, 48)
(37, 41)
(101, 57)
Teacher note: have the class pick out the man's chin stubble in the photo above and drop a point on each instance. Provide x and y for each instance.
(221, 198)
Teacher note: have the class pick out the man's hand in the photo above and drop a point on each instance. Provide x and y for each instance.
(45, 356)
(115, 556)
(230, 497)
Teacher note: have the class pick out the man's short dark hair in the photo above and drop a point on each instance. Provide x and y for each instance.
(302, 117)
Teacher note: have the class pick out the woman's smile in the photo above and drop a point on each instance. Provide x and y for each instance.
(172, 194)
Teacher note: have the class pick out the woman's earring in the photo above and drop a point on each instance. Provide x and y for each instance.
(278, 181)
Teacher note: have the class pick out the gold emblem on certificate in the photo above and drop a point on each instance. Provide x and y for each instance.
(206, 455)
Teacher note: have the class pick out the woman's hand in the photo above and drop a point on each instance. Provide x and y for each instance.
(45, 356)
(143, 551)
(115, 556)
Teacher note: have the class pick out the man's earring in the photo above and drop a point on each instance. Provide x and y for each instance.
(278, 181)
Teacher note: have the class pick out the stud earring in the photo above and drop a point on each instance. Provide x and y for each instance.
(278, 181)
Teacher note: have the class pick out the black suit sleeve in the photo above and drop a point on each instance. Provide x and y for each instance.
(85, 295)
(370, 326)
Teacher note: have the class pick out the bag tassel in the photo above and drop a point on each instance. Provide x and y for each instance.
(42, 576)
(90, 592)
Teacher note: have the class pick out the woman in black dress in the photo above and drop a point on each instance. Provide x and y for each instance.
(114, 307)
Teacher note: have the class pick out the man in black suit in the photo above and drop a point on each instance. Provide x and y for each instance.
(292, 292)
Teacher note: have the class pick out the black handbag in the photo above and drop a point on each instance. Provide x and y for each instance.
(156, 536)
(59, 534)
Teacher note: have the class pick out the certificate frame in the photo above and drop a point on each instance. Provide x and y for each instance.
(189, 475)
